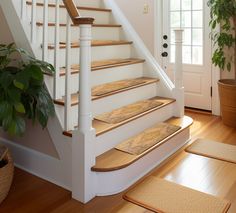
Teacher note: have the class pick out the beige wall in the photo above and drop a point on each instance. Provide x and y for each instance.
(142, 23)
(5, 34)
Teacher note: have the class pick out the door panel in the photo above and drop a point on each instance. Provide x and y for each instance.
(193, 17)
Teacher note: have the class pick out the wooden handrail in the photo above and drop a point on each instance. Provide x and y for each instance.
(76, 18)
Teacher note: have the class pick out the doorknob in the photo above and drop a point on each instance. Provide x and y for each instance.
(165, 45)
(164, 54)
(165, 37)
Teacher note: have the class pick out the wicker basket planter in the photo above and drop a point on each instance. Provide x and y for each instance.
(6, 176)
(227, 91)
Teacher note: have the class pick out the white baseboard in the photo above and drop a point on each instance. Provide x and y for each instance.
(39, 164)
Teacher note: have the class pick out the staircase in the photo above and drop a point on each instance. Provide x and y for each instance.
(120, 73)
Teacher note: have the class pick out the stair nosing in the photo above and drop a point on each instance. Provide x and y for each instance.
(152, 81)
(147, 151)
(130, 119)
(76, 71)
(80, 8)
(117, 43)
(51, 24)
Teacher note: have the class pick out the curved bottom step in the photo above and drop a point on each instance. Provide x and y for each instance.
(112, 182)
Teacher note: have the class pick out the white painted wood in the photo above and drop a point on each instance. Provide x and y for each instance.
(33, 21)
(98, 33)
(178, 74)
(45, 31)
(56, 41)
(84, 180)
(117, 181)
(103, 76)
(23, 9)
(109, 52)
(110, 139)
(85, 108)
(112, 102)
(68, 124)
(101, 17)
(54, 170)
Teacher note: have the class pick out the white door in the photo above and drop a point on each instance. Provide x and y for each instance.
(193, 17)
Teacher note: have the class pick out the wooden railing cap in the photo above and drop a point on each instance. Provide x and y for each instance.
(83, 20)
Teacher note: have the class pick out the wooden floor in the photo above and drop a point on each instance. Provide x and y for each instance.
(30, 194)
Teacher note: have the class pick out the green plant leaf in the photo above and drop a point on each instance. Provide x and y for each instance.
(19, 85)
(36, 72)
(17, 126)
(19, 107)
(5, 109)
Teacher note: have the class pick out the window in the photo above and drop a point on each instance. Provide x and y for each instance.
(188, 15)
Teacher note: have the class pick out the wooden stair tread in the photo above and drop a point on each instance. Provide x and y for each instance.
(102, 127)
(51, 24)
(115, 159)
(145, 81)
(104, 64)
(94, 43)
(80, 8)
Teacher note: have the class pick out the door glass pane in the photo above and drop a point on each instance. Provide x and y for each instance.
(197, 5)
(175, 19)
(186, 4)
(187, 37)
(197, 18)
(174, 5)
(197, 57)
(186, 19)
(197, 36)
(187, 54)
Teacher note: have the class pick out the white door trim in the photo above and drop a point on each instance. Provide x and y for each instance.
(158, 30)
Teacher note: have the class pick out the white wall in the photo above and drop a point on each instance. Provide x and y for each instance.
(142, 23)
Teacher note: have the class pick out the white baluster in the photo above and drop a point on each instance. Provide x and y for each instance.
(23, 10)
(33, 21)
(45, 31)
(85, 109)
(67, 119)
(56, 94)
(178, 73)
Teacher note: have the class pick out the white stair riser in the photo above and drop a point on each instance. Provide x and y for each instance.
(108, 52)
(99, 16)
(110, 139)
(112, 102)
(98, 33)
(119, 180)
(105, 76)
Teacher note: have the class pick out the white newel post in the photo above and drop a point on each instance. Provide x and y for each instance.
(83, 146)
(178, 74)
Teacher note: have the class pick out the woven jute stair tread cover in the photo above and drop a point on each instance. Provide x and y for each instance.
(213, 149)
(126, 112)
(6, 172)
(163, 196)
(145, 140)
(114, 86)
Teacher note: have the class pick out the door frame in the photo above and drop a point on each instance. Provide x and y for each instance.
(158, 33)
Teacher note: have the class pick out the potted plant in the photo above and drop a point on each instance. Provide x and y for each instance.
(223, 13)
(23, 95)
